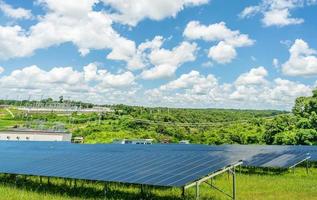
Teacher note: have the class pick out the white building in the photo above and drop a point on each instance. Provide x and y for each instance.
(34, 135)
(137, 141)
(184, 142)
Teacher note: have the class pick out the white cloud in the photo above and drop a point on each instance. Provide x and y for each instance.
(166, 62)
(92, 84)
(285, 90)
(280, 18)
(229, 40)
(276, 63)
(117, 80)
(33, 77)
(189, 90)
(302, 60)
(254, 88)
(133, 11)
(222, 53)
(250, 11)
(66, 80)
(208, 64)
(193, 80)
(216, 32)
(155, 61)
(249, 90)
(107, 79)
(138, 59)
(255, 76)
(15, 13)
(65, 21)
(277, 12)
(1, 70)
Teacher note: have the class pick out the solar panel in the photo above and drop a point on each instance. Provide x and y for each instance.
(138, 164)
(282, 156)
(158, 165)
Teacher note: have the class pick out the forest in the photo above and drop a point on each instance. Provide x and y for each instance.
(199, 126)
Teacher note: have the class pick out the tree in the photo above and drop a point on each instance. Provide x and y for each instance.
(306, 136)
(299, 107)
(61, 99)
(287, 137)
(277, 125)
(304, 106)
(315, 93)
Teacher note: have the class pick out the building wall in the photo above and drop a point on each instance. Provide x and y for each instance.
(8, 136)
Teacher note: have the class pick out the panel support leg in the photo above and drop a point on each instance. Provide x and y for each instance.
(197, 191)
(183, 192)
(307, 167)
(234, 183)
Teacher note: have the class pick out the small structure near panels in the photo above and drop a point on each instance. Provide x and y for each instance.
(34, 135)
(133, 141)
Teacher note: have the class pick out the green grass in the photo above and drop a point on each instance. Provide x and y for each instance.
(6, 120)
(250, 186)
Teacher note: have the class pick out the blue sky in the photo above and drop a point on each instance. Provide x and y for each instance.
(184, 53)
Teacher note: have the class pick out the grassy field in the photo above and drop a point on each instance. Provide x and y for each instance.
(286, 186)
(6, 120)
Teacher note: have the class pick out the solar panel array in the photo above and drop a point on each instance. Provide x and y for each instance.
(158, 165)
(138, 164)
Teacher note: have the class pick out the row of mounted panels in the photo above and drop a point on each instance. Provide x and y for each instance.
(158, 165)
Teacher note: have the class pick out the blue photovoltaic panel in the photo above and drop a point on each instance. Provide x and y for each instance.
(159, 165)
(272, 155)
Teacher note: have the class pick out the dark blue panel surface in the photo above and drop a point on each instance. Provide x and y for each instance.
(160, 165)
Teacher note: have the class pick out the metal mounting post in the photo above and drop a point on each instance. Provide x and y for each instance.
(230, 169)
(183, 192)
(197, 190)
(234, 183)
(307, 167)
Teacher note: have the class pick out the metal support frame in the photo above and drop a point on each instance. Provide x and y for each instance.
(304, 160)
(230, 169)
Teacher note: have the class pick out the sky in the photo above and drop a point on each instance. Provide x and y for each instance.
(259, 54)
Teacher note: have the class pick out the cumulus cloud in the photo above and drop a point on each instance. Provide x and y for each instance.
(277, 12)
(253, 88)
(165, 62)
(255, 76)
(33, 77)
(65, 21)
(193, 80)
(133, 11)
(302, 60)
(139, 58)
(250, 90)
(229, 40)
(107, 79)
(155, 61)
(92, 80)
(15, 13)
(222, 53)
